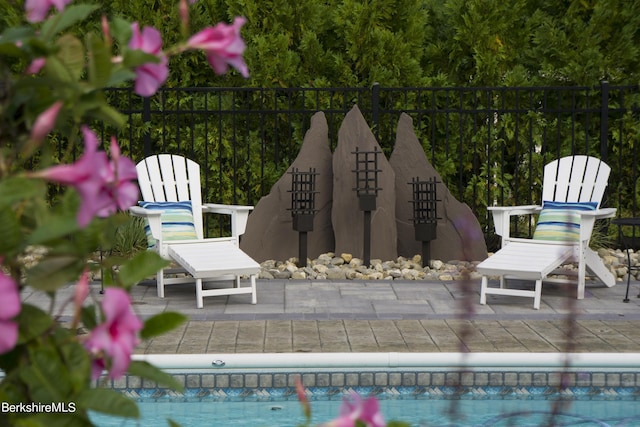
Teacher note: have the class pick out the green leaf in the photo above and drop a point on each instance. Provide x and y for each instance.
(71, 54)
(150, 372)
(99, 61)
(10, 49)
(12, 35)
(108, 401)
(173, 423)
(121, 30)
(161, 323)
(9, 361)
(32, 322)
(88, 316)
(70, 16)
(109, 115)
(10, 231)
(133, 58)
(141, 266)
(54, 228)
(16, 189)
(55, 68)
(75, 358)
(43, 376)
(91, 100)
(53, 272)
(120, 76)
(58, 419)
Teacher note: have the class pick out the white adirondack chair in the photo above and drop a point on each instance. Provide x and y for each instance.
(576, 179)
(171, 178)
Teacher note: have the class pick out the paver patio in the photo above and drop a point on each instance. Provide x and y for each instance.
(384, 316)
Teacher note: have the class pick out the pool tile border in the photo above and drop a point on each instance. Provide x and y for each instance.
(432, 383)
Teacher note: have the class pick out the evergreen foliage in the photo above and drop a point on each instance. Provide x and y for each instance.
(403, 43)
(397, 43)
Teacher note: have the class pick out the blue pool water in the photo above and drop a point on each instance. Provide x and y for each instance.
(512, 410)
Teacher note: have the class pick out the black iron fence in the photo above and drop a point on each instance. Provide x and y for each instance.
(489, 144)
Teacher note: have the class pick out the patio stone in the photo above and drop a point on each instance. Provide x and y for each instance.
(344, 317)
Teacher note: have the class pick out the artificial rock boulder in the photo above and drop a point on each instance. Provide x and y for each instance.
(346, 216)
(270, 233)
(459, 236)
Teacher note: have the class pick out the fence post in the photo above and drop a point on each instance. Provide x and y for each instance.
(146, 118)
(604, 120)
(375, 109)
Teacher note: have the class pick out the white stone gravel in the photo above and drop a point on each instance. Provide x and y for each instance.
(347, 267)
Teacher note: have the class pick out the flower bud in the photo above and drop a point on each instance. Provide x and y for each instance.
(45, 122)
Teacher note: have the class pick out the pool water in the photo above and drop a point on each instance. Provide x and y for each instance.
(417, 411)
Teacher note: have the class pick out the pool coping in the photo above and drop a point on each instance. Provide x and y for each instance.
(594, 375)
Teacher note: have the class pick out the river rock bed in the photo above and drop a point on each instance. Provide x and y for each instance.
(345, 266)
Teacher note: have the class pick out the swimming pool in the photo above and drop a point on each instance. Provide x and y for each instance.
(583, 409)
(258, 389)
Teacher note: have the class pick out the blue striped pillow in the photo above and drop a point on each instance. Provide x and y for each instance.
(560, 221)
(177, 221)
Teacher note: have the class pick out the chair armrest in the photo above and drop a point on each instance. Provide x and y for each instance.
(155, 220)
(239, 215)
(588, 219)
(503, 214)
(516, 210)
(600, 213)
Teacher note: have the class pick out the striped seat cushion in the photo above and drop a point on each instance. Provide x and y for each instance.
(177, 221)
(560, 221)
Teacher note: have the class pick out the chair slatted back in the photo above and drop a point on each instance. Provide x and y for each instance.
(575, 179)
(171, 178)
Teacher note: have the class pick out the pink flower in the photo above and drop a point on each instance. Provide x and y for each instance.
(121, 191)
(302, 397)
(149, 76)
(84, 175)
(37, 10)
(9, 308)
(105, 30)
(79, 295)
(117, 337)
(223, 46)
(355, 409)
(82, 290)
(45, 122)
(103, 186)
(36, 65)
(183, 8)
